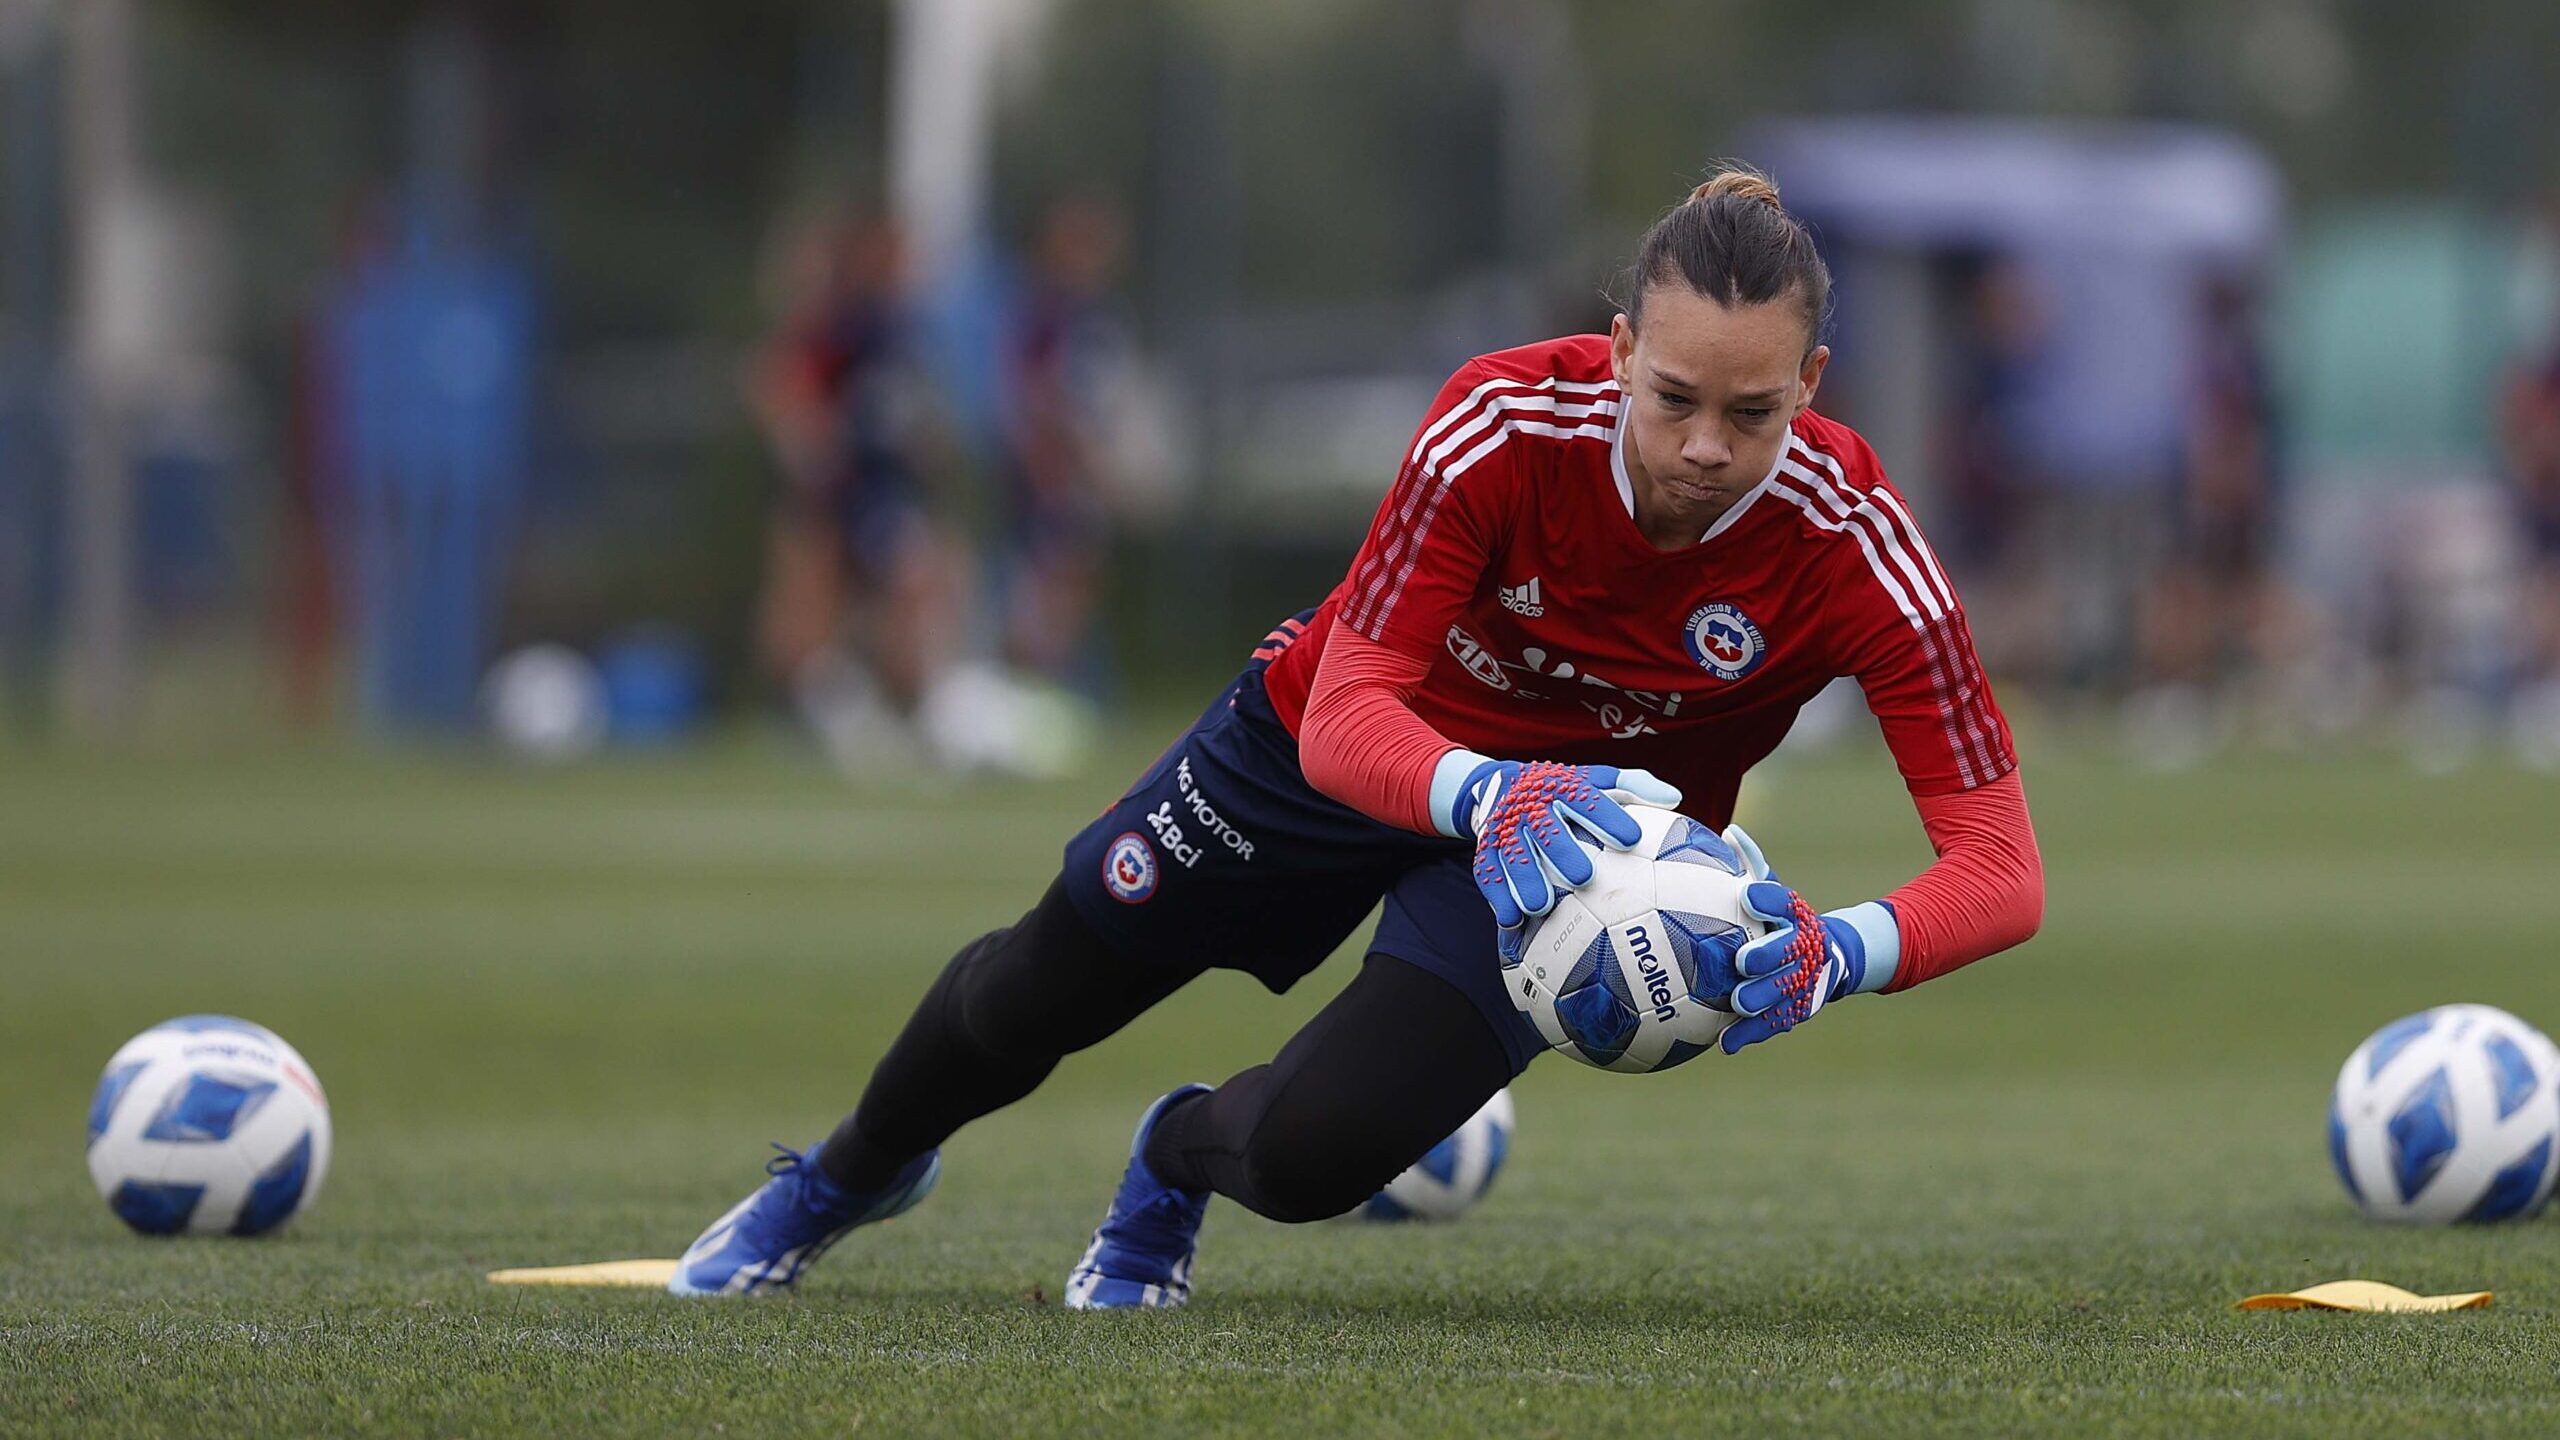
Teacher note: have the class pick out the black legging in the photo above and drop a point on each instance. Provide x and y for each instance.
(1385, 1071)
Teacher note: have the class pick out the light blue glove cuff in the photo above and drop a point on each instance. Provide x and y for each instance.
(1448, 783)
(1881, 934)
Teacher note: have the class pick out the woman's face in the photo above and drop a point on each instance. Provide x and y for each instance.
(1710, 393)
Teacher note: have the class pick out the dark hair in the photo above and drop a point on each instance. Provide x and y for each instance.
(1735, 244)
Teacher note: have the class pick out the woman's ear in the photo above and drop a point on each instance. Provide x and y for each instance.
(1810, 378)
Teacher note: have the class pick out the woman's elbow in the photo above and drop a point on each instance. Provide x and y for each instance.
(2030, 900)
(1320, 753)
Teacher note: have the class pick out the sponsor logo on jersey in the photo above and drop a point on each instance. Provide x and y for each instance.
(1523, 598)
(1205, 821)
(1724, 642)
(1624, 713)
(1479, 661)
(1657, 980)
(1129, 869)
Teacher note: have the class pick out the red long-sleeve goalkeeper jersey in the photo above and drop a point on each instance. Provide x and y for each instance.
(1507, 553)
(1505, 601)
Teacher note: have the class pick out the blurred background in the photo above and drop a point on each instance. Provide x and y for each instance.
(932, 381)
(511, 511)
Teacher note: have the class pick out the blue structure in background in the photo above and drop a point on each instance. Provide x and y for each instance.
(31, 578)
(429, 367)
(962, 319)
(653, 686)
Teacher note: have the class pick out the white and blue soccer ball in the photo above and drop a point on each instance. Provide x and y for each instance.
(1447, 1182)
(2451, 1114)
(1610, 975)
(207, 1125)
(546, 703)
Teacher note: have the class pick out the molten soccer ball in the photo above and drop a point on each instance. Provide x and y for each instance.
(208, 1125)
(1448, 1182)
(1610, 975)
(2450, 1114)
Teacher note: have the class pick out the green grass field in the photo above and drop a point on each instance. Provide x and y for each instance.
(560, 1014)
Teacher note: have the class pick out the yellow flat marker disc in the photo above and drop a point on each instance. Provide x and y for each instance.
(2367, 1295)
(637, 1274)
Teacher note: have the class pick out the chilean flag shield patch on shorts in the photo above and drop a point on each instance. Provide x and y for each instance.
(1129, 869)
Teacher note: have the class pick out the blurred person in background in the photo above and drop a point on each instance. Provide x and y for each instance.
(854, 551)
(2531, 432)
(2215, 615)
(1995, 349)
(2533, 458)
(1065, 335)
(312, 590)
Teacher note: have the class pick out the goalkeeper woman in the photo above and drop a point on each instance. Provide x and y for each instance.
(1611, 568)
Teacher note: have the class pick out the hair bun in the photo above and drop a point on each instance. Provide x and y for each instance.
(1733, 243)
(1743, 183)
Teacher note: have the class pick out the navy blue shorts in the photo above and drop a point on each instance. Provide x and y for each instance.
(878, 510)
(1223, 857)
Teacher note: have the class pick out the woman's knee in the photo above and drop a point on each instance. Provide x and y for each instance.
(1294, 1177)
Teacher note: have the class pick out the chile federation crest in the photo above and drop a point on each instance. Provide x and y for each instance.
(1724, 642)
(1129, 869)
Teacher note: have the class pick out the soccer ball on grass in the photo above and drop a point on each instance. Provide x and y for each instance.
(207, 1125)
(2450, 1114)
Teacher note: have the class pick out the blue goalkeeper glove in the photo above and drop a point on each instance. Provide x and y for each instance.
(1785, 977)
(1530, 821)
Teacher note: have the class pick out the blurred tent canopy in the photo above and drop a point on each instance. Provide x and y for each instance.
(2129, 220)
(2201, 196)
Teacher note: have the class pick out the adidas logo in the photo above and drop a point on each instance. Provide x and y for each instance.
(1523, 598)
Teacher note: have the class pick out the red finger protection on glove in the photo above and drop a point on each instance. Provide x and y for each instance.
(1528, 802)
(1808, 962)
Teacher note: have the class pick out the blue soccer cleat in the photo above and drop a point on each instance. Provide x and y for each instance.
(1141, 1257)
(767, 1239)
